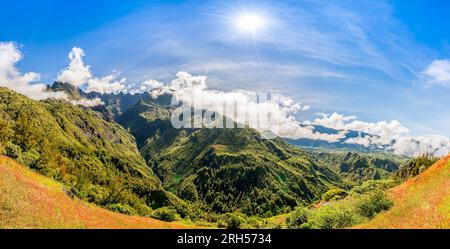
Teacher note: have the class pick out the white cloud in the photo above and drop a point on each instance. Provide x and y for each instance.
(415, 146)
(193, 91)
(391, 136)
(12, 78)
(25, 84)
(87, 102)
(76, 73)
(438, 72)
(146, 86)
(108, 84)
(361, 140)
(385, 131)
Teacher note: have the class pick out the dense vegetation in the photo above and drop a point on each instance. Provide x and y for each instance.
(358, 167)
(415, 166)
(97, 160)
(346, 213)
(226, 170)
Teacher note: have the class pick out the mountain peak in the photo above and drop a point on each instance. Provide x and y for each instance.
(71, 90)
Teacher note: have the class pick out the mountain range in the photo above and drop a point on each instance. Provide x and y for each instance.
(126, 156)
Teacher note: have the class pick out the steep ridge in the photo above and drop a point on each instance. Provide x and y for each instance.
(30, 200)
(114, 104)
(421, 202)
(98, 160)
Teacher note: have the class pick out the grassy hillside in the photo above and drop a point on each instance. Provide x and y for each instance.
(421, 202)
(97, 160)
(30, 200)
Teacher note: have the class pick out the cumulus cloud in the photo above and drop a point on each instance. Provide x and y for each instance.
(87, 102)
(438, 72)
(78, 74)
(365, 141)
(146, 86)
(391, 136)
(108, 84)
(384, 131)
(23, 83)
(248, 107)
(414, 146)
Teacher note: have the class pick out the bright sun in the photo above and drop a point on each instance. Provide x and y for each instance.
(250, 22)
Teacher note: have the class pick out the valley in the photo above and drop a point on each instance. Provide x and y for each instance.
(123, 161)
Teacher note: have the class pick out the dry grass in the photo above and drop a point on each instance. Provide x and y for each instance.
(29, 200)
(420, 202)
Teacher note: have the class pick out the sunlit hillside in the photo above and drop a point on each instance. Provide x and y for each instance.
(29, 200)
(420, 202)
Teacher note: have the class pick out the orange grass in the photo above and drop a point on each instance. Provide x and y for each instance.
(29, 200)
(420, 202)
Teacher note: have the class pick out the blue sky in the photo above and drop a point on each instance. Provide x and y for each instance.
(363, 58)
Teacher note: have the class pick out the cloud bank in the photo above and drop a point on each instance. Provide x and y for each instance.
(24, 83)
(391, 136)
(87, 102)
(193, 91)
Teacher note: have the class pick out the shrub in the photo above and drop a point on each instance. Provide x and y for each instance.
(297, 218)
(166, 214)
(354, 209)
(254, 222)
(373, 204)
(334, 194)
(122, 208)
(12, 150)
(374, 185)
(29, 158)
(329, 217)
(232, 220)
